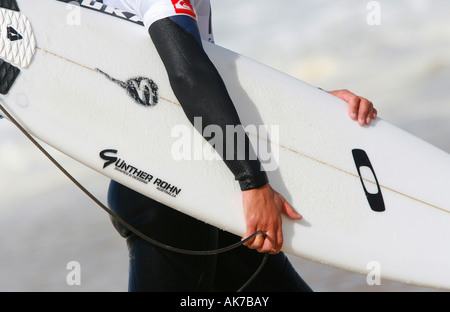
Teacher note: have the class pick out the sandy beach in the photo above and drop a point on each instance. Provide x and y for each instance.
(402, 64)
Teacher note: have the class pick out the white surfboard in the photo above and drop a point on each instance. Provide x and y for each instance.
(94, 88)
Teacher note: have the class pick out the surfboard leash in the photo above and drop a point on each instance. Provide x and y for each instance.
(125, 224)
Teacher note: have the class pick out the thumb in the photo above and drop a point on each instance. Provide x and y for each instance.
(288, 210)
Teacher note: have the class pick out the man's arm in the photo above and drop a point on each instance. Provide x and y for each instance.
(202, 93)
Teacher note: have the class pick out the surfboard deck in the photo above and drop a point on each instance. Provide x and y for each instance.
(97, 91)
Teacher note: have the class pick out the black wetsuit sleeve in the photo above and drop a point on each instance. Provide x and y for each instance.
(202, 93)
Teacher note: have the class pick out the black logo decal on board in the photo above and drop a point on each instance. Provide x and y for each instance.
(8, 74)
(9, 4)
(376, 201)
(131, 171)
(143, 90)
(13, 35)
(106, 9)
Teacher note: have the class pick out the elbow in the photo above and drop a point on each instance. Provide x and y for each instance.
(190, 81)
(180, 80)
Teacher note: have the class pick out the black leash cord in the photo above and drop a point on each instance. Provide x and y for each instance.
(128, 226)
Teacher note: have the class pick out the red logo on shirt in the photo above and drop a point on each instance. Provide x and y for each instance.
(184, 7)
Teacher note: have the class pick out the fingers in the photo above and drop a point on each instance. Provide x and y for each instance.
(269, 242)
(272, 239)
(365, 112)
(263, 208)
(353, 107)
(255, 243)
(360, 109)
(288, 210)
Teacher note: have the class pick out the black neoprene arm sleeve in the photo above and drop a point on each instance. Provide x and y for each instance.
(202, 93)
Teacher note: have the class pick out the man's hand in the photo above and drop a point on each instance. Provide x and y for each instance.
(262, 209)
(359, 108)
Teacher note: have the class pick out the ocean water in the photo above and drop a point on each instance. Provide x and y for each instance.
(399, 59)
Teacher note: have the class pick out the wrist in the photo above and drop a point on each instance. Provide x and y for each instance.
(255, 181)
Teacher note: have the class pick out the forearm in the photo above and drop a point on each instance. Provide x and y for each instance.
(202, 93)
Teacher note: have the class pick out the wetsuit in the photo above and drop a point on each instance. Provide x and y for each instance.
(176, 28)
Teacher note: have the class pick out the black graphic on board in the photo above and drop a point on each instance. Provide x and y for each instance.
(143, 90)
(376, 201)
(13, 35)
(8, 74)
(9, 4)
(106, 9)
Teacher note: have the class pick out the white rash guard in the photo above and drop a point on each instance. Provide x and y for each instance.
(152, 10)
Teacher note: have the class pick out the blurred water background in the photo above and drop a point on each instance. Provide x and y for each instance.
(399, 59)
